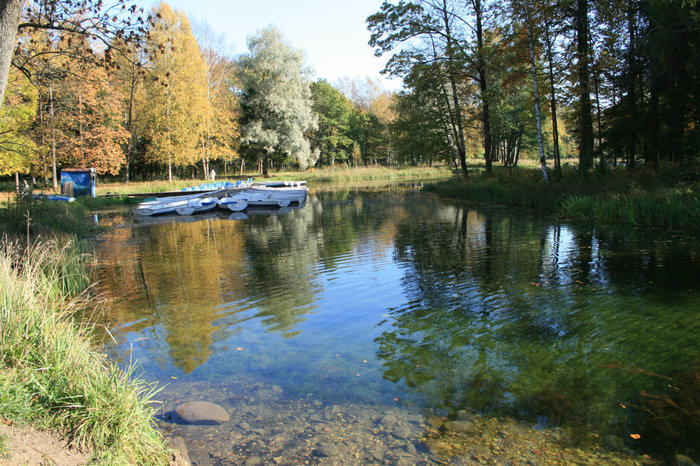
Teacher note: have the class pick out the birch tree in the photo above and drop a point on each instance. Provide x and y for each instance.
(220, 130)
(176, 99)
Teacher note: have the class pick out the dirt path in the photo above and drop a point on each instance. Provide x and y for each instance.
(26, 445)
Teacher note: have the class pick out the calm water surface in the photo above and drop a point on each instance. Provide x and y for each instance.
(401, 303)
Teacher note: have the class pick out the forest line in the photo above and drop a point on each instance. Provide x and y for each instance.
(143, 95)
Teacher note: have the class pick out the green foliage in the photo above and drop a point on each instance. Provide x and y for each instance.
(421, 131)
(334, 112)
(49, 373)
(368, 131)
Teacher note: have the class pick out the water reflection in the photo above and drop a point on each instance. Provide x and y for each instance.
(511, 316)
(389, 294)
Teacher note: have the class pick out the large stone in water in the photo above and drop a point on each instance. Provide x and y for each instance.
(463, 427)
(201, 412)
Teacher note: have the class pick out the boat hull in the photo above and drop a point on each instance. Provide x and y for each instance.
(197, 205)
(233, 203)
(295, 195)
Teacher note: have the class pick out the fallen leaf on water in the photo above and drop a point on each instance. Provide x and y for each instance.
(173, 377)
(239, 349)
(635, 436)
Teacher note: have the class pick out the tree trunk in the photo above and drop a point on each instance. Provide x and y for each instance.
(653, 128)
(553, 102)
(461, 150)
(485, 114)
(10, 14)
(458, 123)
(205, 165)
(42, 124)
(130, 120)
(601, 156)
(585, 154)
(53, 138)
(533, 69)
(631, 88)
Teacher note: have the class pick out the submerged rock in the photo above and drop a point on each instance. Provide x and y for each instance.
(402, 432)
(181, 456)
(325, 450)
(389, 420)
(463, 427)
(201, 412)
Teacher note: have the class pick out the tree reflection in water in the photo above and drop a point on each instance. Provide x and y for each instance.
(510, 316)
(488, 309)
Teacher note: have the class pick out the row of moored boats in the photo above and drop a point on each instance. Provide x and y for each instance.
(236, 199)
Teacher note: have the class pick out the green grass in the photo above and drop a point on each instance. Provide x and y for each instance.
(340, 174)
(666, 199)
(43, 218)
(51, 376)
(337, 174)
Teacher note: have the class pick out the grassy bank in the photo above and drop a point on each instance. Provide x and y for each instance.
(339, 175)
(343, 174)
(50, 374)
(664, 199)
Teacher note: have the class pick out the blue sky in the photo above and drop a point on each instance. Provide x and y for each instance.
(333, 33)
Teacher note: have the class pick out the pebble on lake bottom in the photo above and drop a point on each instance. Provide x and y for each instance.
(274, 430)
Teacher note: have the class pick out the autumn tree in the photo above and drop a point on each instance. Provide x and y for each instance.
(175, 105)
(276, 101)
(220, 128)
(98, 22)
(16, 118)
(92, 121)
(129, 79)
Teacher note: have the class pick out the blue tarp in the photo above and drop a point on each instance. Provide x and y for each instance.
(81, 181)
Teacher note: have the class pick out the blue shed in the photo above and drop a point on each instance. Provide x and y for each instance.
(78, 181)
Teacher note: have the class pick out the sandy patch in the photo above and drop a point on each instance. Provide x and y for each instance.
(26, 445)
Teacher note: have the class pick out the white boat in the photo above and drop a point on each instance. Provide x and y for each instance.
(252, 198)
(160, 206)
(170, 204)
(263, 200)
(200, 204)
(293, 191)
(234, 203)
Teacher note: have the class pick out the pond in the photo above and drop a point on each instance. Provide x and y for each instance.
(352, 328)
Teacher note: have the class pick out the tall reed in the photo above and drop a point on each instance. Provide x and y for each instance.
(643, 198)
(50, 374)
